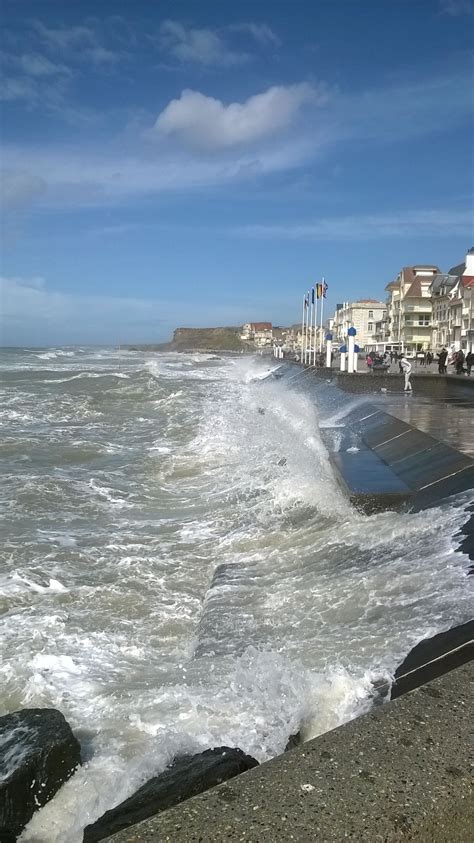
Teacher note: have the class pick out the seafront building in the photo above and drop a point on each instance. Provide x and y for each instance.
(453, 306)
(363, 315)
(260, 333)
(409, 308)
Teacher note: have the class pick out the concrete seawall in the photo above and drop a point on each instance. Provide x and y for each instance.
(400, 772)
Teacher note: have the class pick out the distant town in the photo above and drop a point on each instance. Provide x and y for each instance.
(425, 309)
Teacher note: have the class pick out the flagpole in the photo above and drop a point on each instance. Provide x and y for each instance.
(308, 331)
(302, 332)
(323, 284)
(311, 311)
(315, 321)
(305, 328)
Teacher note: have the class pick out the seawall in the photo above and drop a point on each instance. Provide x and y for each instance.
(400, 772)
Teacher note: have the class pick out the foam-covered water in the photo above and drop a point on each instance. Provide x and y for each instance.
(180, 571)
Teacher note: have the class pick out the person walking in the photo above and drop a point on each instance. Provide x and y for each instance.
(469, 362)
(405, 366)
(442, 357)
(429, 358)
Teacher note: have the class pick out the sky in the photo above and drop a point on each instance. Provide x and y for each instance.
(169, 163)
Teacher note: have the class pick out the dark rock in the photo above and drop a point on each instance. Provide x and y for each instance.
(433, 657)
(293, 740)
(261, 411)
(38, 753)
(186, 777)
(282, 461)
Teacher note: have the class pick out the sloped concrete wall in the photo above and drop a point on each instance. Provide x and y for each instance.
(401, 772)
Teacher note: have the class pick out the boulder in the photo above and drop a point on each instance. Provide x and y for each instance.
(187, 776)
(38, 753)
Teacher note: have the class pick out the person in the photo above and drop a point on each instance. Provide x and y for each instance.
(442, 357)
(469, 362)
(429, 358)
(459, 362)
(405, 365)
(370, 363)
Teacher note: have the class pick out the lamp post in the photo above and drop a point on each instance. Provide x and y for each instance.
(350, 362)
(343, 352)
(328, 350)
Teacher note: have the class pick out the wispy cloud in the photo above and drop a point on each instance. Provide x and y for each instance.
(207, 123)
(456, 8)
(77, 44)
(418, 223)
(33, 313)
(202, 46)
(212, 47)
(260, 32)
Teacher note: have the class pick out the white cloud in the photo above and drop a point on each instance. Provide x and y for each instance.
(34, 64)
(207, 123)
(65, 38)
(14, 90)
(33, 314)
(20, 188)
(418, 223)
(203, 46)
(260, 32)
(81, 178)
(77, 44)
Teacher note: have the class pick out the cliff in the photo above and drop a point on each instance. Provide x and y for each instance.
(217, 339)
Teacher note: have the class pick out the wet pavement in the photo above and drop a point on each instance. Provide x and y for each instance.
(451, 420)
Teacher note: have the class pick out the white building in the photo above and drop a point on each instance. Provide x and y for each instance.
(363, 315)
(452, 297)
(260, 333)
(409, 308)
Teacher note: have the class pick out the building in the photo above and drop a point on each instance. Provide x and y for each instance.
(409, 308)
(453, 307)
(260, 333)
(363, 315)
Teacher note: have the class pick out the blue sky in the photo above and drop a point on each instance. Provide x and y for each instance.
(183, 163)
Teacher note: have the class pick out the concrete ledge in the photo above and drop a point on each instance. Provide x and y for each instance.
(400, 772)
(396, 463)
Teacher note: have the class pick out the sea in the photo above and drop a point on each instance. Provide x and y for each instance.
(179, 569)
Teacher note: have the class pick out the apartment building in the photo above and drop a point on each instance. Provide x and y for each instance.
(452, 298)
(409, 308)
(363, 315)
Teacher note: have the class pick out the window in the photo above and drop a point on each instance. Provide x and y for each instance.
(371, 314)
(370, 327)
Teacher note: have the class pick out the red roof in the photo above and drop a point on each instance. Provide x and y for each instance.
(467, 280)
(262, 326)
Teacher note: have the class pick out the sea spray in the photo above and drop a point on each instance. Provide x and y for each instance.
(194, 577)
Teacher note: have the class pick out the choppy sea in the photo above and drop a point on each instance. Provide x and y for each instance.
(128, 481)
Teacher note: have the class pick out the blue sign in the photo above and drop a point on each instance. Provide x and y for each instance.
(351, 332)
(343, 349)
(356, 349)
(329, 336)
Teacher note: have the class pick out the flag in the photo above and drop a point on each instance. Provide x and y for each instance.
(312, 295)
(306, 301)
(319, 290)
(325, 288)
